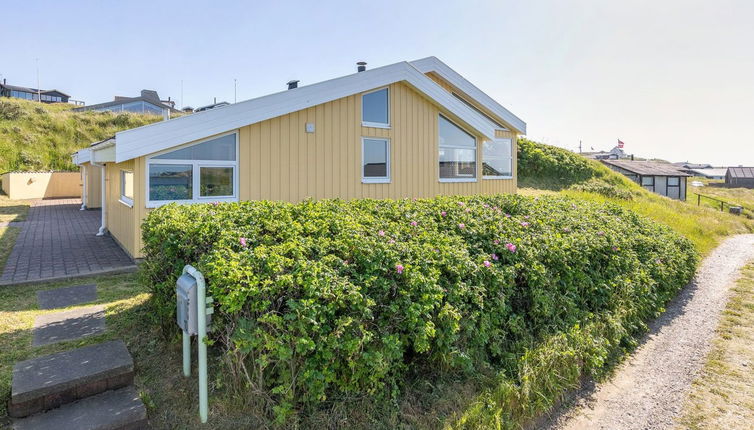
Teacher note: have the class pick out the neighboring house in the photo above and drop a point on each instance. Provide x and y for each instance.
(46, 96)
(397, 131)
(614, 154)
(687, 165)
(661, 178)
(709, 173)
(212, 106)
(148, 102)
(740, 177)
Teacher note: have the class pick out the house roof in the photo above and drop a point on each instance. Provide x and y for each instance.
(707, 172)
(647, 168)
(167, 134)
(741, 172)
(149, 96)
(31, 90)
(433, 64)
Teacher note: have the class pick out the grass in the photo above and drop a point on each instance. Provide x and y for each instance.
(716, 189)
(39, 136)
(7, 240)
(723, 396)
(13, 210)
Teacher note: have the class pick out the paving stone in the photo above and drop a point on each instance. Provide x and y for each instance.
(50, 381)
(67, 296)
(68, 325)
(112, 410)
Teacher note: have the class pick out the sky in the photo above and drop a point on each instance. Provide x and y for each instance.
(673, 79)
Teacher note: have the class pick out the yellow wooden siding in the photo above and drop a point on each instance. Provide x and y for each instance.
(94, 182)
(280, 161)
(121, 219)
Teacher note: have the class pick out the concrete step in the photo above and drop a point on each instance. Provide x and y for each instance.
(120, 409)
(53, 380)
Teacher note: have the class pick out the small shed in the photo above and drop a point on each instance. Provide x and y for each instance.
(740, 177)
(661, 178)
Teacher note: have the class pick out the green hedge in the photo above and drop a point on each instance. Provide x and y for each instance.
(321, 299)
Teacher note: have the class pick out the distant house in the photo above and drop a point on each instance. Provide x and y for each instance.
(661, 178)
(148, 102)
(687, 165)
(614, 154)
(708, 172)
(742, 177)
(46, 96)
(212, 106)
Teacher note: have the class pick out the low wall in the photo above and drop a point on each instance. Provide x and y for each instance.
(41, 185)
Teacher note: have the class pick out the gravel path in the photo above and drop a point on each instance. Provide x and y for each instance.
(649, 389)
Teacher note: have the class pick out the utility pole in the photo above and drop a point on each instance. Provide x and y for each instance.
(579, 146)
(235, 90)
(39, 91)
(182, 105)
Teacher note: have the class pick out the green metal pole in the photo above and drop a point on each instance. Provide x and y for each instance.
(201, 320)
(186, 354)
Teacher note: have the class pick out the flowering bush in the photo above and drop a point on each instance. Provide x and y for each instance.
(329, 298)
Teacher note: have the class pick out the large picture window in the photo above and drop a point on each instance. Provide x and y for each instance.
(457, 153)
(202, 172)
(375, 109)
(375, 160)
(497, 159)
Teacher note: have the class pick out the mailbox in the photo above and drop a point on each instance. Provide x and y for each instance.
(187, 306)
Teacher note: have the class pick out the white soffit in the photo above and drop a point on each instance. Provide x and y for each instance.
(167, 134)
(433, 64)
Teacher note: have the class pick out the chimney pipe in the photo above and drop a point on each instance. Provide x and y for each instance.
(361, 66)
(292, 84)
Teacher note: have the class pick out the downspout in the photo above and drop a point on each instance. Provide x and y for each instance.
(84, 180)
(103, 204)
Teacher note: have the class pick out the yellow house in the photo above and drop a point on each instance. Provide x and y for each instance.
(410, 129)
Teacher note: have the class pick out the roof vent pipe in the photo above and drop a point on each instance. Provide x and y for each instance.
(292, 84)
(361, 66)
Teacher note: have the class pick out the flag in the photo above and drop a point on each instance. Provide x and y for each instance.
(620, 144)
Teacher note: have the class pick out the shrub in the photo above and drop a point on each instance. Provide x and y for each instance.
(324, 299)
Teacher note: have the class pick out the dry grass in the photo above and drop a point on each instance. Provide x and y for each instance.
(723, 396)
(13, 210)
(716, 189)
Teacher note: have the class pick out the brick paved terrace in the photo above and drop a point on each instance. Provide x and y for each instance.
(57, 240)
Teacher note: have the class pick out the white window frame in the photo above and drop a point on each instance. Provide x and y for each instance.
(128, 201)
(510, 141)
(195, 174)
(375, 179)
(376, 124)
(476, 153)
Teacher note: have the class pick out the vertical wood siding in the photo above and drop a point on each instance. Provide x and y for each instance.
(121, 219)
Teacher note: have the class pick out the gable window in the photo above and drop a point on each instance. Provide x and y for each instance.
(375, 160)
(457, 153)
(202, 172)
(127, 187)
(375, 109)
(497, 159)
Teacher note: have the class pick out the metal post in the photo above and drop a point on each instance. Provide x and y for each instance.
(698, 199)
(186, 354)
(84, 180)
(201, 320)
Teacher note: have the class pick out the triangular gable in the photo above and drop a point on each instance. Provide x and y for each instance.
(433, 64)
(163, 135)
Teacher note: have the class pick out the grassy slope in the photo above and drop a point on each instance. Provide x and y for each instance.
(723, 396)
(545, 169)
(733, 196)
(38, 136)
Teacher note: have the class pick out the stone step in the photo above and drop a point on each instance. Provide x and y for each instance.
(53, 380)
(120, 409)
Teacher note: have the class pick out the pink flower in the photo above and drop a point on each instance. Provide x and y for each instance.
(566, 230)
(496, 241)
(461, 225)
(468, 209)
(487, 263)
(615, 248)
(414, 223)
(524, 224)
(511, 247)
(345, 262)
(242, 241)
(461, 203)
(381, 233)
(486, 205)
(215, 203)
(526, 216)
(600, 233)
(496, 208)
(414, 198)
(495, 257)
(391, 241)
(507, 215)
(443, 213)
(399, 268)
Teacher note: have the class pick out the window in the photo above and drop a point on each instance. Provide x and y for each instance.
(648, 182)
(375, 109)
(375, 160)
(476, 109)
(457, 153)
(202, 172)
(127, 187)
(497, 159)
(674, 181)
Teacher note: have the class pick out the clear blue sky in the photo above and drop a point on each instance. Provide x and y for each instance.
(673, 79)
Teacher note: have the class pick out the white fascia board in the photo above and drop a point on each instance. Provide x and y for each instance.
(82, 156)
(433, 64)
(104, 152)
(159, 136)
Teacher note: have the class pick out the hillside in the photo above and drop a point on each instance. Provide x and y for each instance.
(548, 169)
(37, 136)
